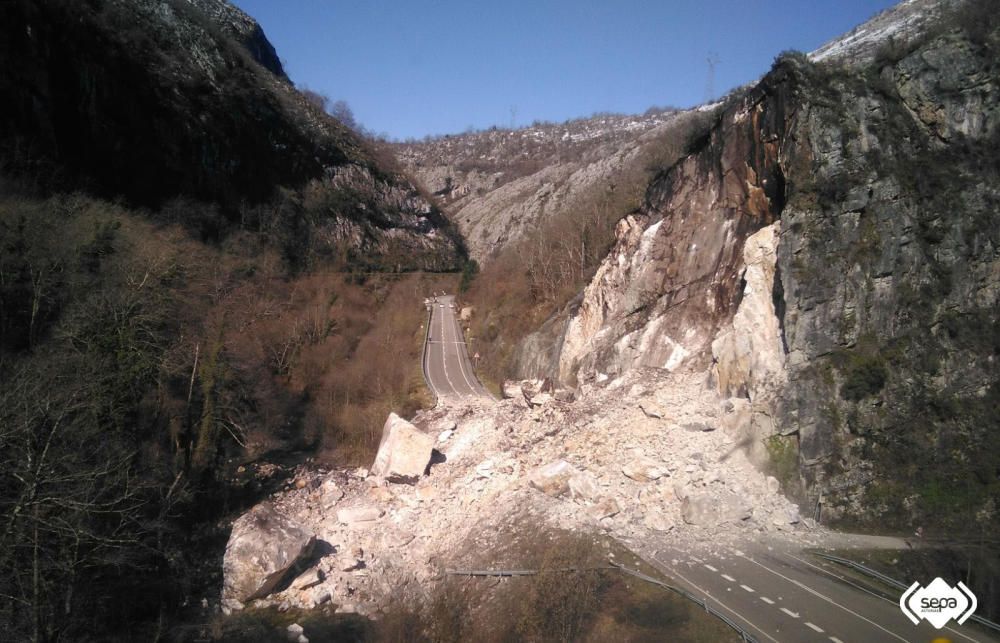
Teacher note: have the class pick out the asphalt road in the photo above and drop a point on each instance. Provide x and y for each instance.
(781, 595)
(447, 367)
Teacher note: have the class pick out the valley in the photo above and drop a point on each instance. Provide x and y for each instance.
(625, 377)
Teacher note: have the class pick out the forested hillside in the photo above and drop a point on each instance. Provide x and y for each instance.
(193, 261)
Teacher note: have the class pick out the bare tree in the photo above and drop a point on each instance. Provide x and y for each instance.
(343, 113)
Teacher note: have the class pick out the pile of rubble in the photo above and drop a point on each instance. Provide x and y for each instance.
(652, 456)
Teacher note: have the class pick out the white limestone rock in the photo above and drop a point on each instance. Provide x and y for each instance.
(404, 452)
(263, 547)
(643, 469)
(553, 479)
(352, 516)
(708, 510)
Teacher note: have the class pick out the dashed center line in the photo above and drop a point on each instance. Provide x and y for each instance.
(789, 612)
(825, 598)
(815, 628)
(749, 589)
(710, 568)
(835, 639)
(729, 578)
(767, 600)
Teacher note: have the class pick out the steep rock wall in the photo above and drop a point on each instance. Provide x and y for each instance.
(889, 268)
(673, 276)
(861, 348)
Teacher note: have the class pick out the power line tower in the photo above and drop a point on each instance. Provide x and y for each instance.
(712, 60)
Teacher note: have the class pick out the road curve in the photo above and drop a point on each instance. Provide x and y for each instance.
(447, 368)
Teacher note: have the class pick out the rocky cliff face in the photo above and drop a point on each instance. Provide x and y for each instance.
(674, 274)
(828, 258)
(155, 99)
(499, 185)
(245, 30)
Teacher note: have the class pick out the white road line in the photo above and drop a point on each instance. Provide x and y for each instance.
(710, 568)
(444, 359)
(460, 356)
(461, 360)
(834, 639)
(707, 595)
(789, 612)
(826, 598)
(767, 600)
(844, 579)
(729, 578)
(815, 628)
(749, 589)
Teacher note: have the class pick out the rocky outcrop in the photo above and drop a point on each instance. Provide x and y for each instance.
(828, 258)
(672, 279)
(244, 30)
(888, 267)
(748, 357)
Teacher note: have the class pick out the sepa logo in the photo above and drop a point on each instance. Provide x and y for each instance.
(939, 602)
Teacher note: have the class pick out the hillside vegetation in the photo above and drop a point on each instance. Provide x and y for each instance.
(203, 281)
(142, 370)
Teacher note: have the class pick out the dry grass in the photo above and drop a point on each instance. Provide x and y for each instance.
(554, 605)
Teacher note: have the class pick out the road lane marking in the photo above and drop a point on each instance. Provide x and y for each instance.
(444, 360)
(721, 604)
(826, 598)
(461, 357)
(815, 628)
(710, 568)
(729, 578)
(767, 600)
(789, 612)
(749, 589)
(834, 639)
(844, 579)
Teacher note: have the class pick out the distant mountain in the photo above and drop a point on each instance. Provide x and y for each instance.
(498, 184)
(155, 99)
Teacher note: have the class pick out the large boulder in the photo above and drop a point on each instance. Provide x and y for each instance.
(708, 510)
(404, 453)
(265, 549)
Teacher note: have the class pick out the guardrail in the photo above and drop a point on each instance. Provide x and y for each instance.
(745, 636)
(892, 582)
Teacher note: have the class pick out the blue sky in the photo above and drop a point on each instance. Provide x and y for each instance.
(413, 68)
